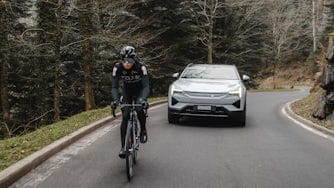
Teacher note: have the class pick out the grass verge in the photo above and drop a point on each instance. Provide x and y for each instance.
(304, 108)
(17, 148)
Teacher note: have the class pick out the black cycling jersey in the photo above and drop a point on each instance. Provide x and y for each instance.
(135, 88)
(135, 80)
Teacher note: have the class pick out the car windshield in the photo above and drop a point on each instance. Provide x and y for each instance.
(210, 72)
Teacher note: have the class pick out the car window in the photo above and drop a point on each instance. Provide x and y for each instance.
(210, 72)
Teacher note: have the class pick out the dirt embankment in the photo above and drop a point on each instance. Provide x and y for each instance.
(289, 76)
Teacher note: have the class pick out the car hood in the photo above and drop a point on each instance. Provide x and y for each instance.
(207, 86)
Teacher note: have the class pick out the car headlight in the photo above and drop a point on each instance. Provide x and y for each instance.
(236, 92)
(175, 90)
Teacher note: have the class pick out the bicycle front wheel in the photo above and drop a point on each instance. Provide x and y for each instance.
(129, 159)
(135, 147)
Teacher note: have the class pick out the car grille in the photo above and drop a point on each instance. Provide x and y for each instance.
(206, 95)
(215, 110)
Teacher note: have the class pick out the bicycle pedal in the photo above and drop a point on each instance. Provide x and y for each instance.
(137, 146)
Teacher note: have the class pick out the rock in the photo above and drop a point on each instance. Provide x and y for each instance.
(319, 110)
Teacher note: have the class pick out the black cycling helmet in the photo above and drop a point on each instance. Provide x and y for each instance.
(128, 52)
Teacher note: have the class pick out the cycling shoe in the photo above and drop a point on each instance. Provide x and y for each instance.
(121, 153)
(143, 136)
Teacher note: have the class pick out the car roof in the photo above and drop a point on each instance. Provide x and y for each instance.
(210, 65)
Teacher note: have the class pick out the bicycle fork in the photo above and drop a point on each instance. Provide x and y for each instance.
(127, 139)
(135, 134)
(131, 133)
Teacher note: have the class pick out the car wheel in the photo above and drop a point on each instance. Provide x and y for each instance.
(242, 118)
(172, 118)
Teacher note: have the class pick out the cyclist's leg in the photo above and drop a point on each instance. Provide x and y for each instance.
(142, 121)
(125, 118)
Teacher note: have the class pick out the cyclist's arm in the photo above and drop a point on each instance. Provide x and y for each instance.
(115, 82)
(145, 84)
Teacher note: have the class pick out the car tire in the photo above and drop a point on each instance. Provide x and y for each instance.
(173, 119)
(242, 118)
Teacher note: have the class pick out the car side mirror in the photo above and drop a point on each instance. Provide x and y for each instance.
(176, 75)
(245, 78)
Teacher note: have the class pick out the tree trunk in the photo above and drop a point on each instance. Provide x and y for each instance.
(86, 27)
(4, 53)
(210, 31)
(274, 75)
(314, 27)
(87, 60)
(4, 86)
(210, 43)
(57, 89)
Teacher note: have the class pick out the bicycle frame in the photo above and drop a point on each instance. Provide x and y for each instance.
(131, 138)
(132, 127)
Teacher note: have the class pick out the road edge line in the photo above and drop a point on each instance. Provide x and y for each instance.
(306, 122)
(17, 170)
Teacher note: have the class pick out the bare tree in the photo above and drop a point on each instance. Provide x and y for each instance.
(288, 27)
(320, 19)
(208, 13)
(205, 12)
(247, 28)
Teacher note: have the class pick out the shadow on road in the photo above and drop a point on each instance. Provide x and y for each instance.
(208, 122)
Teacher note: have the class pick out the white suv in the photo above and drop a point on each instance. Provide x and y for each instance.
(210, 90)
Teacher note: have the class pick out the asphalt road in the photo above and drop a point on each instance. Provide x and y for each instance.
(271, 151)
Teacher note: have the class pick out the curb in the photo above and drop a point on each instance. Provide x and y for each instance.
(14, 172)
(306, 122)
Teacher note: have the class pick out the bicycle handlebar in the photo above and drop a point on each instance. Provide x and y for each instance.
(125, 105)
(130, 105)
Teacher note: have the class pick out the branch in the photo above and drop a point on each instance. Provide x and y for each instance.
(73, 43)
(37, 118)
(9, 132)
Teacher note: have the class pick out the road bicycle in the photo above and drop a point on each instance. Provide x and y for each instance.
(131, 145)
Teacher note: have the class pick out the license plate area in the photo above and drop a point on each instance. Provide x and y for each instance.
(203, 108)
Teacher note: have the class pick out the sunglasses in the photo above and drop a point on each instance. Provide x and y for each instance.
(129, 60)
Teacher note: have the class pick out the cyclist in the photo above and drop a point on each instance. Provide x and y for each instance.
(135, 88)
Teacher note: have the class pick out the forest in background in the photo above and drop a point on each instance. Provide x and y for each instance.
(57, 55)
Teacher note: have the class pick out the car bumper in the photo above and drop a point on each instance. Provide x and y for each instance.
(206, 110)
(190, 111)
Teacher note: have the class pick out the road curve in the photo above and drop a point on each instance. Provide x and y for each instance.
(271, 151)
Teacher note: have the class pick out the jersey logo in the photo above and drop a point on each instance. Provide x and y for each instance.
(131, 79)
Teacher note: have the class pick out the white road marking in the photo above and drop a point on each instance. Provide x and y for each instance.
(46, 169)
(313, 130)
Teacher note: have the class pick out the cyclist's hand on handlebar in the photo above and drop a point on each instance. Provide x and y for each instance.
(114, 104)
(144, 104)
